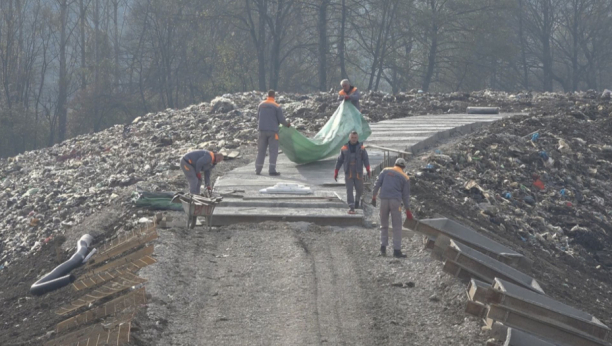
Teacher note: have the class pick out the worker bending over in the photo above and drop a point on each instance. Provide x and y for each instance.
(196, 162)
(353, 157)
(269, 116)
(349, 93)
(394, 186)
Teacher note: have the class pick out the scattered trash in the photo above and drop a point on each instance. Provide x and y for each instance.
(539, 184)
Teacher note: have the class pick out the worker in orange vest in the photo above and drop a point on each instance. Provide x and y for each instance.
(269, 117)
(349, 93)
(394, 187)
(196, 162)
(353, 157)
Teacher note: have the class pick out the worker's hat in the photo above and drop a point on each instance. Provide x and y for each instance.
(400, 162)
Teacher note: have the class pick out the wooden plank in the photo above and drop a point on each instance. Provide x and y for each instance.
(99, 278)
(480, 291)
(476, 309)
(116, 333)
(456, 270)
(515, 337)
(561, 335)
(117, 285)
(136, 258)
(131, 300)
(441, 243)
(122, 244)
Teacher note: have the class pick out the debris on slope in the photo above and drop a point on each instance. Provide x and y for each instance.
(45, 192)
(543, 178)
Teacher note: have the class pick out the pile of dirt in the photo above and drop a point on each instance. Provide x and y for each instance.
(539, 182)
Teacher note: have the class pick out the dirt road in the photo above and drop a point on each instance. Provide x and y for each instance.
(298, 284)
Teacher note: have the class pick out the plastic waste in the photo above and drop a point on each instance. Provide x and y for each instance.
(290, 189)
(535, 137)
(329, 140)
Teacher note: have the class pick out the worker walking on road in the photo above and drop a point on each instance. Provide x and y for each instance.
(394, 186)
(353, 157)
(196, 162)
(269, 116)
(349, 93)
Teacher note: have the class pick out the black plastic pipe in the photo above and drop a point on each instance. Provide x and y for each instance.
(60, 277)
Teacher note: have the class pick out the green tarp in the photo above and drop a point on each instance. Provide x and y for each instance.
(329, 140)
(155, 200)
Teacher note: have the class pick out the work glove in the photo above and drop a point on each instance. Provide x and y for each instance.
(369, 172)
(374, 201)
(409, 215)
(336, 175)
(209, 188)
(288, 124)
(346, 98)
(199, 175)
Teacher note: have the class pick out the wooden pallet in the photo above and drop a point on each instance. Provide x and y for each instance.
(130, 301)
(138, 259)
(115, 286)
(115, 333)
(121, 244)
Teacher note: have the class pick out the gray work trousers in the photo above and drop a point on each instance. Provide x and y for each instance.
(194, 183)
(267, 139)
(393, 207)
(350, 183)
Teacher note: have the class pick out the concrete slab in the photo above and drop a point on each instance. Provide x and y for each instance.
(558, 334)
(321, 216)
(515, 337)
(433, 228)
(410, 134)
(543, 307)
(486, 268)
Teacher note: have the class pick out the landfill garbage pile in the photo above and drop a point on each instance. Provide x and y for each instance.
(45, 192)
(542, 178)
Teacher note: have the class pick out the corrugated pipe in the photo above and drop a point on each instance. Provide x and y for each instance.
(60, 277)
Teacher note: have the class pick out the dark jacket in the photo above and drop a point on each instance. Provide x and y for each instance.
(201, 161)
(270, 115)
(353, 95)
(393, 183)
(361, 156)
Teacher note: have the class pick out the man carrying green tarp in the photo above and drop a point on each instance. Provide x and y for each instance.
(353, 157)
(269, 116)
(349, 93)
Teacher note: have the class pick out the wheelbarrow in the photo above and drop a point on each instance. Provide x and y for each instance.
(196, 205)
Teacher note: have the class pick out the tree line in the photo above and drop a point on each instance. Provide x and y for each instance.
(69, 67)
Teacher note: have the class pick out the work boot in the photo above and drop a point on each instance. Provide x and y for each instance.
(257, 173)
(383, 250)
(274, 174)
(398, 254)
(351, 211)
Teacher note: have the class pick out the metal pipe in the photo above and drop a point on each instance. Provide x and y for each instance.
(60, 277)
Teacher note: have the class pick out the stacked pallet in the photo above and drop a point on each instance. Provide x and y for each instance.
(511, 303)
(112, 292)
